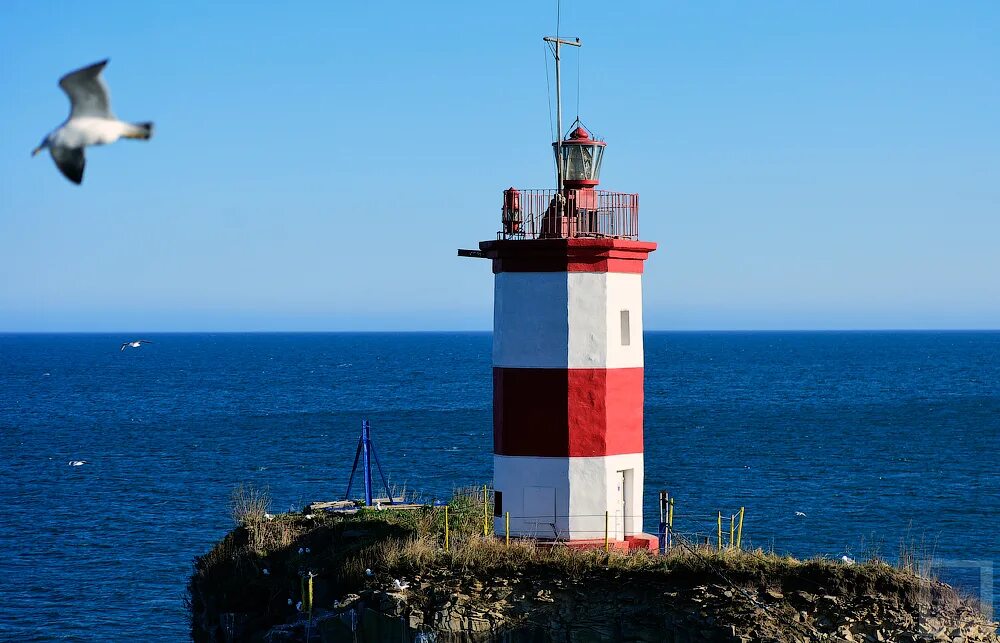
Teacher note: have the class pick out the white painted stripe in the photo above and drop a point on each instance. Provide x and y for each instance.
(530, 322)
(595, 304)
(566, 320)
(567, 498)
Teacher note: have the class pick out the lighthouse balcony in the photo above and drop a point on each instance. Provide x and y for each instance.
(575, 213)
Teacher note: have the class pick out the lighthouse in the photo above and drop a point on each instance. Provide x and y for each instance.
(568, 354)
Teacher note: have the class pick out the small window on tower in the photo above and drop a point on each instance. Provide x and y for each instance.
(498, 503)
(626, 334)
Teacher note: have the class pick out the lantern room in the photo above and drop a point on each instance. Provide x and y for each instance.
(581, 158)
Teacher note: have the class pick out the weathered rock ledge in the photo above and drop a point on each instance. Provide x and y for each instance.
(483, 591)
(638, 607)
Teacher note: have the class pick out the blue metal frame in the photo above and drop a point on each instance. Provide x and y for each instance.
(365, 452)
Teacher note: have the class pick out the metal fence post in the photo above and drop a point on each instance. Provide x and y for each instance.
(662, 533)
(486, 514)
(670, 523)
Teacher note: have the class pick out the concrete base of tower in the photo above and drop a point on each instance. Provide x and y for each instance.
(639, 542)
(569, 498)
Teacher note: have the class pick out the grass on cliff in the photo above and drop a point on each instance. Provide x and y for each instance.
(258, 566)
(410, 540)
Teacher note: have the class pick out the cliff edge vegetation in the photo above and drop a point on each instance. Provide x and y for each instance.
(385, 575)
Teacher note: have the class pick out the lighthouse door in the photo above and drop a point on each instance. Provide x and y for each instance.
(621, 506)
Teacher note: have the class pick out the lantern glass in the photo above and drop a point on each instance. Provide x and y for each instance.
(582, 162)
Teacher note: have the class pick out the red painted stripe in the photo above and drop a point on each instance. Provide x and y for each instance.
(567, 255)
(558, 412)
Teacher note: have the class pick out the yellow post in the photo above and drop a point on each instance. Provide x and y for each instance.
(446, 527)
(506, 526)
(739, 532)
(732, 529)
(310, 603)
(719, 546)
(606, 531)
(486, 513)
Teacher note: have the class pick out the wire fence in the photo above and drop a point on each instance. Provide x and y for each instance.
(611, 526)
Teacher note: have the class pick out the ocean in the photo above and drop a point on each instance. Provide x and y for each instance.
(877, 438)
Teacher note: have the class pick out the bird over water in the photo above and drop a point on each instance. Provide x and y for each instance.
(134, 343)
(90, 122)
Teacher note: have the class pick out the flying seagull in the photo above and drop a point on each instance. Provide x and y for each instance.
(90, 122)
(135, 344)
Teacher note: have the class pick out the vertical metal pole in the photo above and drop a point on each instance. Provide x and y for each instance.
(662, 535)
(732, 529)
(559, 158)
(446, 527)
(310, 603)
(719, 541)
(670, 524)
(506, 526)
(605, 531)
(486, 513)
(367, 461)
(739, 532)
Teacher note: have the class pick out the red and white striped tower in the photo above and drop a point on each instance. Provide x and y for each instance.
(567, 355)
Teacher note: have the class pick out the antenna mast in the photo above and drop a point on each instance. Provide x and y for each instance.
(554, 43)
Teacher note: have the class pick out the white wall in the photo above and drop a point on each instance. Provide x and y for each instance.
(584, 488)
(530, 322)
(566, 320)
(595, 304)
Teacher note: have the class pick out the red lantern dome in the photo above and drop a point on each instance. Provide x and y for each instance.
(581, 158)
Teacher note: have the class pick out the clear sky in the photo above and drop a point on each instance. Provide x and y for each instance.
(315, 166)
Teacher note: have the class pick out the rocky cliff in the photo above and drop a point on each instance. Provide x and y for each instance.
(379, 579)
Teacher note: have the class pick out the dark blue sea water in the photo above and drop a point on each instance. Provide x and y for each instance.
(876, 437)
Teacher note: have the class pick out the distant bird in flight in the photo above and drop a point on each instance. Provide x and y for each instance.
(800, 514)
(90, 122)
(135, 344)
(76, 463)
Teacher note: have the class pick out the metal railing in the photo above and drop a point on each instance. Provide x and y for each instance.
(536, 214)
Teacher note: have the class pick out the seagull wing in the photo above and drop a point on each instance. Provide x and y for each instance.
(124, 344)
(70, 162)
(145, 341)
(87, 91)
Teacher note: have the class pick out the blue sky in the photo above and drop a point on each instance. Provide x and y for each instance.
(316, 165)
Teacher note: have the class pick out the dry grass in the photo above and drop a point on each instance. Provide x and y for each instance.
(249, 508)
(917, 556)
(248, 504)
(415, 542)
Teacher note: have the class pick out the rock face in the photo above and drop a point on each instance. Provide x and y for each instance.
(371, 581)
(529, 608)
